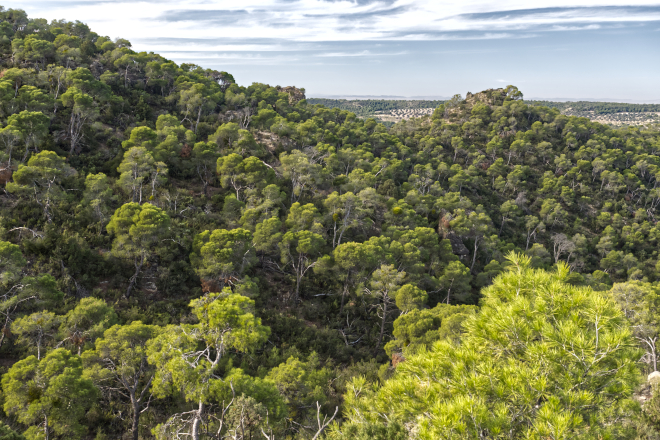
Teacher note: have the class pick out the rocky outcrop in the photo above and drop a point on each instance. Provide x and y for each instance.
(493, 97)
(5, 174)
(295, 94)
(397, 358)
(457, 245)
(645, 392)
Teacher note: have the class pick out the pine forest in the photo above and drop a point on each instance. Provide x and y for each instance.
(185, 257)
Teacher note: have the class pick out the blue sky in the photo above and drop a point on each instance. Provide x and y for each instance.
(558, 49)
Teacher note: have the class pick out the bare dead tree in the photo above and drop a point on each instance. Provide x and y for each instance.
(321, 424)
(326, 421)
(562, 245)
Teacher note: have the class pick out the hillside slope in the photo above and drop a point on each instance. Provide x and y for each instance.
(244, 254)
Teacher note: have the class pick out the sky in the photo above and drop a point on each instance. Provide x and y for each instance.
(559, 49)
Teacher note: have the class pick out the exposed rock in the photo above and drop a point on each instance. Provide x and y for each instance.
(397, 358)
(295, 94)
(271, 141)
(210, 286)
(186, 151)
(5, 174)
(654, 377)
(643, 394)
(457, 244)
(490, 97)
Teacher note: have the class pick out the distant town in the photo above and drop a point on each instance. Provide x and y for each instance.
(396, 110)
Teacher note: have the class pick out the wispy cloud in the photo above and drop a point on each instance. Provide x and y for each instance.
(345, 20)
(413, 35)
(457, 36)
(364, 53)
(589, 27)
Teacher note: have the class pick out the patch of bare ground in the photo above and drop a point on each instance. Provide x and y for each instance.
(6, 361)
(272, 141)
(5, 173)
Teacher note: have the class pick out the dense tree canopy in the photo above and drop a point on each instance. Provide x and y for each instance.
(185, 257)
(542, 359)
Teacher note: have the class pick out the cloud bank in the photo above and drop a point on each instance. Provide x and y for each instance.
(292, 35)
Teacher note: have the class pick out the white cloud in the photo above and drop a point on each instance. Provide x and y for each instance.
(318, 20)
(363, 53)
(333, 46)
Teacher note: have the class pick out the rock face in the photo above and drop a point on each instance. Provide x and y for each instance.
(5, 174)
(645, 392)
(490, 97)
(397, 358)
(457, 245)
(295, 94)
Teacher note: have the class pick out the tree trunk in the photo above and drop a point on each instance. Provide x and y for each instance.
(197, 422)
(297, 295)
(39, 348)
(136, 417)
(49, 217)
(474, 256)
(382, 324)
(205, 182)
(334, 236)
(199, 115)
(46, 427)
(138, 268)
(343, 295)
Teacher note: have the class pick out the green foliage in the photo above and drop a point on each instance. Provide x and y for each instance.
(98, 195)
(243, 175)
(421, 328)
(40, 180)
(120, 362)
(300, 250)
(34, 329)
(368, 431)
(86, 322)
(7, 434)
(600, 107)
(640, 302)
(343, 236)
(368, 107)
(410, 298)
(221, 257)
(301, 384)
(11, 263)
(520, 354)
(138, 171)
(455, 281)
(50, 396)
(187, 356)
(137, 229)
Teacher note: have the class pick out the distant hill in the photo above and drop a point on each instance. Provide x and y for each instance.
(600, 108)
(369, 107)
(188, 257)
(391, 111)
